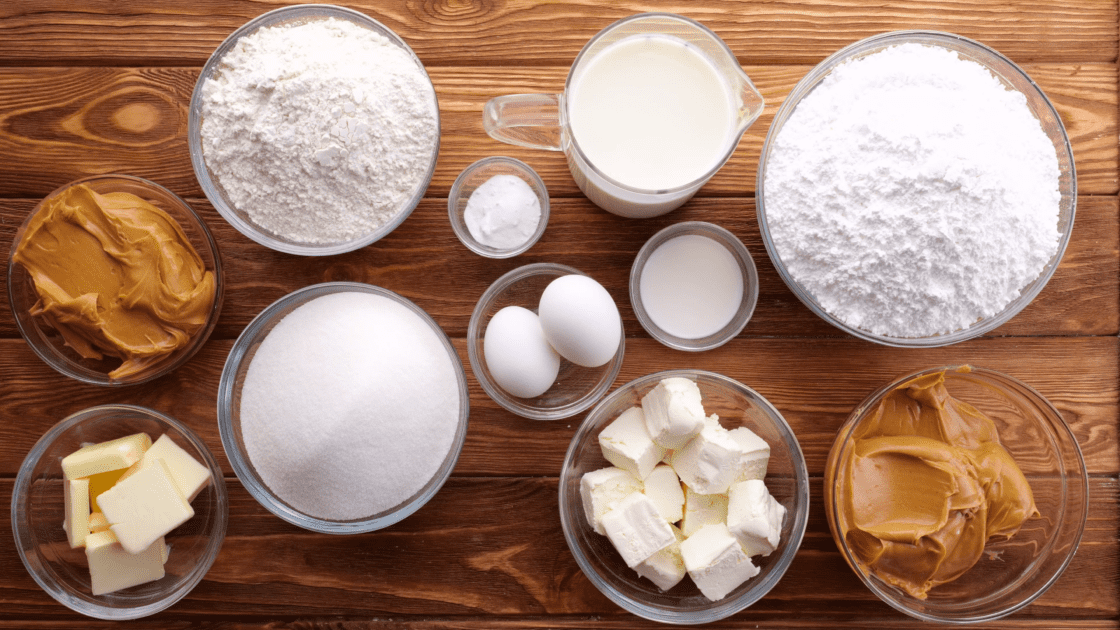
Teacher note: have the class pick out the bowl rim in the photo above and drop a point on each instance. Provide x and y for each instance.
(210, 187)
(65, 366)
(723, 608)
(215, 538)
(959, 45)
(240, 461)
(475, 335)
(895, 598)
(458, 224)
(742, 255)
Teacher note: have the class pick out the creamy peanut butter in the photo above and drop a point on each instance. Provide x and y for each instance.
(115, 276)
(925, 485)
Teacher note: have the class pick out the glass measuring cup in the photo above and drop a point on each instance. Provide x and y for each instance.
(543, 121)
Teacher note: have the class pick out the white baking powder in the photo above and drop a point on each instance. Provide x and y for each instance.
(911, 193)
(503, 212)
(319, 132)
(350, 406)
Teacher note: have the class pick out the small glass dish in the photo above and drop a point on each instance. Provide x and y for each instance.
(49, 344)
(787, 479)
(576, 388)
(294, 15)
(1010, 574)
(1013, 77)
(37, 516)
(229, 414)
(474, 176)
(746, 305)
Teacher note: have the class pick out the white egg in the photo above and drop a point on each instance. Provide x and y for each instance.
(519, 358)
(580, 320)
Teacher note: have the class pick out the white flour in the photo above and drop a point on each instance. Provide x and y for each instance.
(319, 132)
(911, 193)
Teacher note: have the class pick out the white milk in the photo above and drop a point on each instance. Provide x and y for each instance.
(652, 112)
(691, 286)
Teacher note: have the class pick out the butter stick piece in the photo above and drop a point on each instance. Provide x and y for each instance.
(144, 507)
(188, 474)
(98, 523)
(105, 456)
(111, 568)
(100, 483)
(76, 497)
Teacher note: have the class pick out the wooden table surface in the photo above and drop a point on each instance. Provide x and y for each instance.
(103, 87)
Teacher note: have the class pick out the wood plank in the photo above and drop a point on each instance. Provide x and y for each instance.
(814, 383)
(425, 262)
(511, 622)
(463, 555)
(61, 124)
(523, 32)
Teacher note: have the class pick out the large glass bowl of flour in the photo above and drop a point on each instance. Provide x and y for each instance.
(314, 130)
(853, 223)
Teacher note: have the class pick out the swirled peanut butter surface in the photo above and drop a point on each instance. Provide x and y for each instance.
(925, 485)
(115, 276)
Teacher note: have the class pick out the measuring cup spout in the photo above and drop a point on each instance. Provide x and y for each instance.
(751, 101)
(527, 120)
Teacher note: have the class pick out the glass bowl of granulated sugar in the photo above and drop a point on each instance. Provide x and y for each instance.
(916, 189)
(314, 130)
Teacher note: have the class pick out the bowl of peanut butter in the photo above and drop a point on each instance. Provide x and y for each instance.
(114, 280)
(957, 494)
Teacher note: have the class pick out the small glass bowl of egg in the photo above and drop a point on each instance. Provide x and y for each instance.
(545, 341)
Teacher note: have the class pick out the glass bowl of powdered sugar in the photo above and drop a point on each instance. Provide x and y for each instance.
(916, 189)
(498, 207)
(314, 130)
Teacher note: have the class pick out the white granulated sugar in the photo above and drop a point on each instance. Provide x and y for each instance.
(349, 406)
(912, 194)
(319, 132)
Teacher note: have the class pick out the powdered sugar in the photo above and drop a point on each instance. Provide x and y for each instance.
(911, 193)
(319, 132)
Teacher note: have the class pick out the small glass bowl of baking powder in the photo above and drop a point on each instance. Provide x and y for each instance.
(498, 227)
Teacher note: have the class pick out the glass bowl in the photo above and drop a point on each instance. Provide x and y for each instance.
(294, 15)
(787, 480)
(1010, 573)
(746, 304)
(576, 387)
(46, 342)
(37, 515)
(474, 176)
(229, 414)
(1012, 77)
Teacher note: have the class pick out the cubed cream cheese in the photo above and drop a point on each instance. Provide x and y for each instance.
(111, 568)
(105, 456)
(626, 443)
(666, 567)
(715, 561)
(98, 523)
(754, 517)
(602, 489)
(189, 475)
(674, 412)
(636, 530)
(708, 462)
(755, 455)
(75, 495)
(701, 510)
(664, 487)
(144, 507)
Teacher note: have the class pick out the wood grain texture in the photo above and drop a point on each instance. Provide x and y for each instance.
(524, 32)
(68, 123)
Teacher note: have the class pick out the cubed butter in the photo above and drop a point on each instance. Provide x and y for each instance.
(755, 454)
(111, 568)
(701, 510)
(75, 495)
(144, 507)
(666, 567)
(105, 456)
(101, 482)
(98, 523)
(664, 487)
(709, 462)
(754, 517)
(189, 475)
(636, 530)
(626, 443)
(674, 412)
(601, 490)
(715, 561)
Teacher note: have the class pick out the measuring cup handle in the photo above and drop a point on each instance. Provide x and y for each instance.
(527, 120)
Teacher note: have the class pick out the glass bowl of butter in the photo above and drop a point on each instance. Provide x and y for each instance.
(957, 494)
(169, 468)
(114, 280)
(734, 496)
